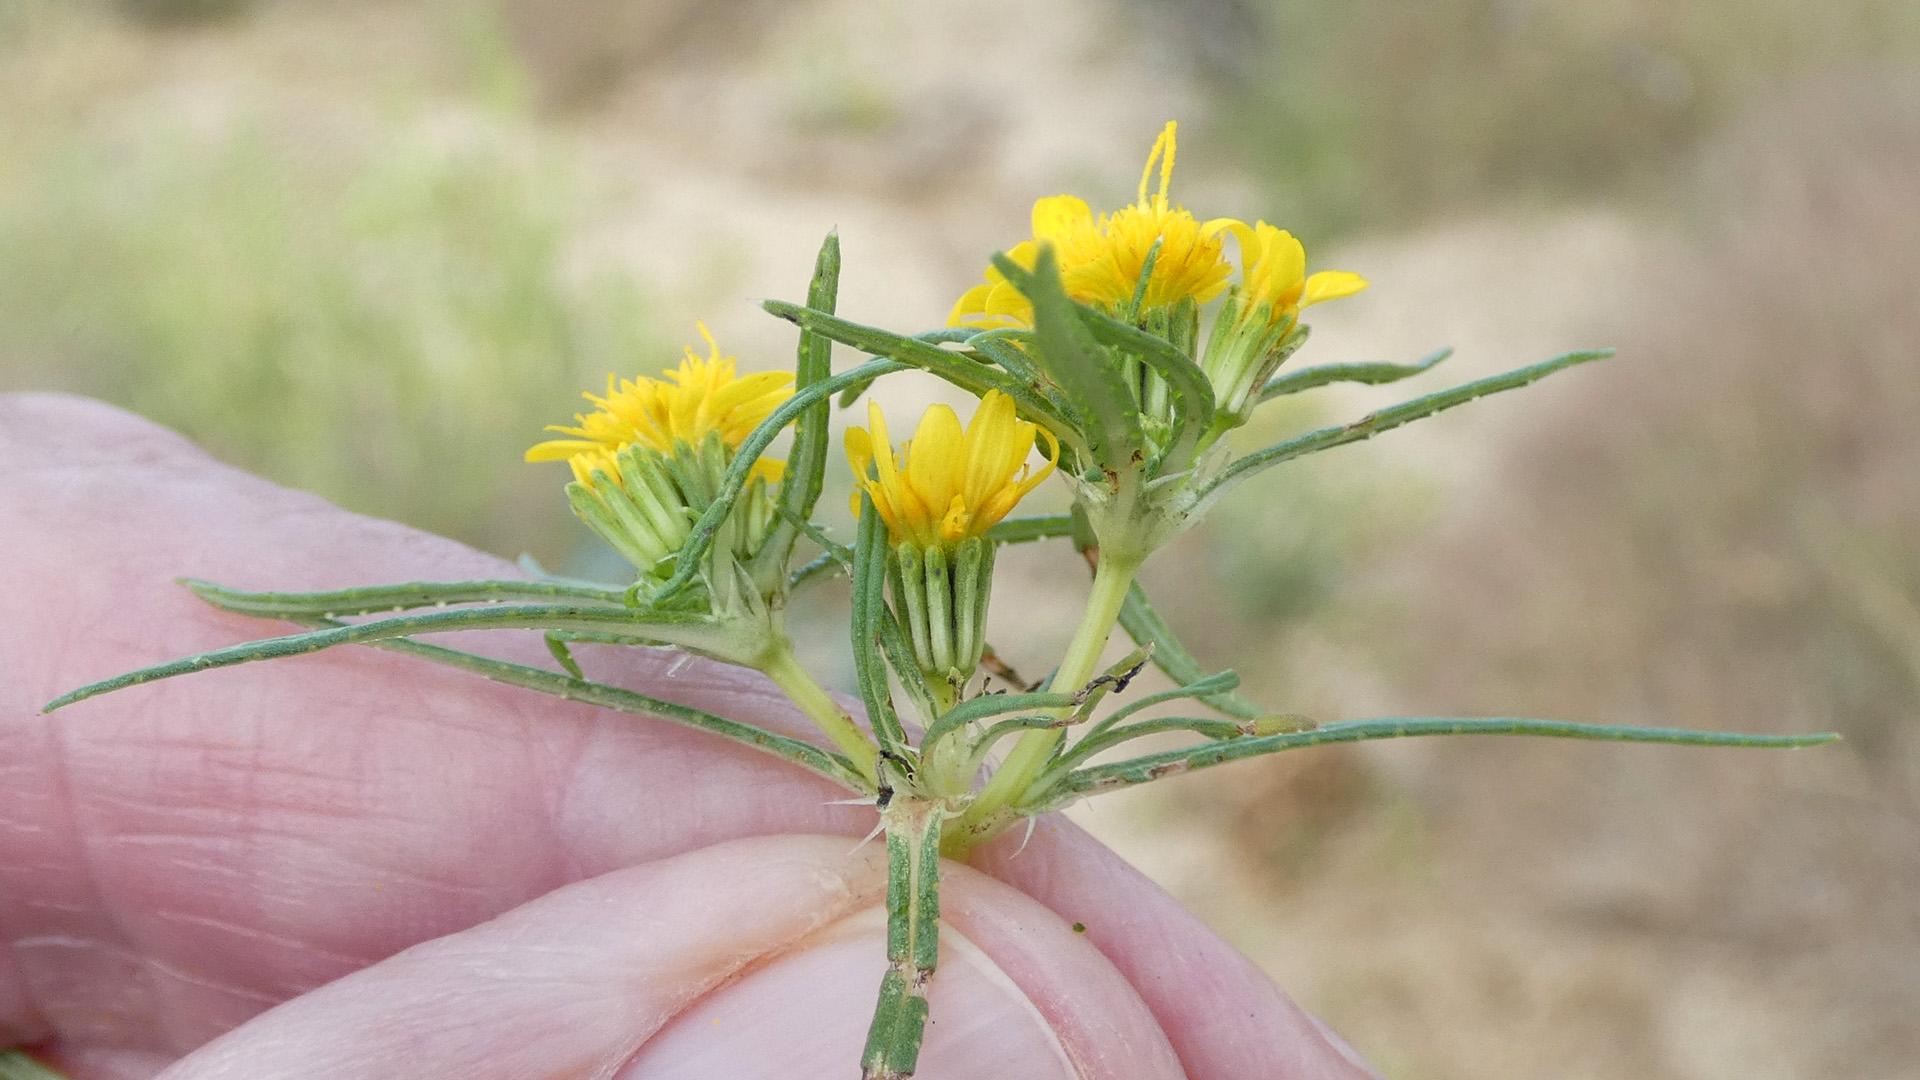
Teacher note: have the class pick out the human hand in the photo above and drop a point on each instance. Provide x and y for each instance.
(217, 876)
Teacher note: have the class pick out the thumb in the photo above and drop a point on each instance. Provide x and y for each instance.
(755, 958)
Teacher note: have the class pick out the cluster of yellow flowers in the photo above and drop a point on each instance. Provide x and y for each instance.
(1101, 258)
(699, 398)
(947, 484)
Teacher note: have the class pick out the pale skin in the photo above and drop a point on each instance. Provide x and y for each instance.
(212, 876)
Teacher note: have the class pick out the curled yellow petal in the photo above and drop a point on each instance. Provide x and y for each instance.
(1332, 285)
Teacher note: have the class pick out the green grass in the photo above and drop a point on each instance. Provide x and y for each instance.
(383, 308)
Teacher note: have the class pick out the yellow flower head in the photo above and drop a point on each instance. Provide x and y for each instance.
(945, 484)
(695, 400)
(1273, 273)
(1101, 258)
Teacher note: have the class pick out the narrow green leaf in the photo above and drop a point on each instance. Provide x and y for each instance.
(1003, 346)
(988, 705)
(557, 645)
(820, 569)
(703, 634)
(827, 763)
(988, 739)
(1144, 279)
(687, 566)
(852, 393)
(1110, 417)
(1370, 374)
(968, 374)
(1022, 530)
(1145, 626)
(833, 549)
(1392, 417)
(379, 598)
(1190, 385)
(807, 461)
(1216, 685)
(1154, 766)
(899, 654)
(869, 611)
(1094, 744)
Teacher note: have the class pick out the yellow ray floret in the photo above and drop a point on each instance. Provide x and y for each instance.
(1273, 272)
(691, 402)
(1101, 258)
(945, 484)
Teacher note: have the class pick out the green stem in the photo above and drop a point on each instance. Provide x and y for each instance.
(1111, 580)
(913, 939)
(803, 690)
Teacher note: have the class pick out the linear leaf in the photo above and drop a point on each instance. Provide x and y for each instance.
(824, 567)
(1110, 418)
(807, 460)
(1003, 347)
(1021, 530)
(1154, 766)
(687, 566)
(831, 765)
(398, 597)
(1092, 744)
(1217, 684)
(1392, 417)
(987, 705)
(694, 632)
(1369, 374)
(1145, 626)
(1189, 384)
(869, 612)
(971, 375)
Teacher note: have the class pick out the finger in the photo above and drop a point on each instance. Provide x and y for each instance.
(743, 960)
(178, 857)
(183, 855)
(1223, 1015)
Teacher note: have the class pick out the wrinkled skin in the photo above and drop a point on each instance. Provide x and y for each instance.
(356, 864)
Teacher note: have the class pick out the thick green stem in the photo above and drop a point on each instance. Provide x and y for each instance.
(1111, 579)
(913, 939)
(801, 688)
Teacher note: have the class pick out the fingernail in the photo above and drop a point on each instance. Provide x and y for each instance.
(1344, 1049)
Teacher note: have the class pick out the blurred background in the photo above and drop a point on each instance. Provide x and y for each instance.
(370, 247)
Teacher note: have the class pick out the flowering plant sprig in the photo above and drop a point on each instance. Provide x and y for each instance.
(1084, 346)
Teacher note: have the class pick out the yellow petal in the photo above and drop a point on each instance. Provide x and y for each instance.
(1053, 218)
(860, 454)
(934, 457)
(1282, 260)
(1332, 285)
(972, 303)
(769, 470)
(559, 449)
